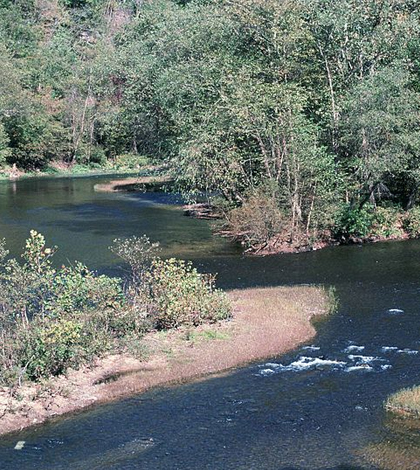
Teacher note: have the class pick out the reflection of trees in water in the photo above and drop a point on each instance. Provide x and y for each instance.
(399, 448)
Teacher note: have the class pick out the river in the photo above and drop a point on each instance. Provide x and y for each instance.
(318, 407)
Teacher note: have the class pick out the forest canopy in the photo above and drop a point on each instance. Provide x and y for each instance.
(302, 116)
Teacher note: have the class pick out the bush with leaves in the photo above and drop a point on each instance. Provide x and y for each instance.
(353, 222)
(54, 319)
(180, 295)
(412, 222)
(387, 222)
(137, 253)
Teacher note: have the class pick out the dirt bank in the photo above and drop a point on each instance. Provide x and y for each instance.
(266, 322)
(133, 184)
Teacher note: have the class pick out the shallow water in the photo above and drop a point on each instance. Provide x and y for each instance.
(318, 407)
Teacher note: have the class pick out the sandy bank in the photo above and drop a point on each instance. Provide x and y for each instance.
(406, 402)
(138, 183)
(266, 322)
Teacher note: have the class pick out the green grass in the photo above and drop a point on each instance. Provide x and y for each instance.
(207, 335)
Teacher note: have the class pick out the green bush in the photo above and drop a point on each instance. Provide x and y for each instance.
(128, 161)
(411, 222)
(353, 222)
(138, 253)
(50, 347)
(182, 296)
(54, 319)
(77, 288)
(386, 222)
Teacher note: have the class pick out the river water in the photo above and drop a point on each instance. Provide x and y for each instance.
(318, 407)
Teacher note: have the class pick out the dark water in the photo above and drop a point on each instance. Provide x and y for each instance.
(83, 222)
(315, 408)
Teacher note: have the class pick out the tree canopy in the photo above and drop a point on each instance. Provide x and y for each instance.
(312, 105)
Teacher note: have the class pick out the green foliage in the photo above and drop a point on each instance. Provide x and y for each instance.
(4, 146)
(51, 347)
(52, 319)
(317, 100)
(180, 295)
(412, 222)
(354, 222)
(138, 253)
(387, 222)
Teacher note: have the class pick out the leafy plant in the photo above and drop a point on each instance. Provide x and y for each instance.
(411, 222)
(182, 296)
(353, 222)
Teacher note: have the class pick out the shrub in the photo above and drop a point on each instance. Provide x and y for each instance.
(353, 222)
(386, 222)
(257, 220)
(182, 296)
(77, 288)
(411, 222)
(138, 253)
(50, 347)
(54, 319)
(129, 161)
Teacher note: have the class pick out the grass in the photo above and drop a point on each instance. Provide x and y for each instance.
(405, 402)
(206, 335)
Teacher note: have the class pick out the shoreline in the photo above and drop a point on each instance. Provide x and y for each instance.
(266, 322)
(135, 184)
(404, 403)
(135, 181)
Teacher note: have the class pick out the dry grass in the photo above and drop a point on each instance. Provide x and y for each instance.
(266, 322)
(392, 456)
(405, 402)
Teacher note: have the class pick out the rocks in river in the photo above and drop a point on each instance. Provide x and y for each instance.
(363, 359)
(407, 351)
(301, 364)
(351, 363)
(389, 348)
(265, 372)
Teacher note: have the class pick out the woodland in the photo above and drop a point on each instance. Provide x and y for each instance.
(299, 119)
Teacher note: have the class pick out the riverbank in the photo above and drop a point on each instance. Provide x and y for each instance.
(121, 165)
(135, 184)
(266, 322)
(406, 402)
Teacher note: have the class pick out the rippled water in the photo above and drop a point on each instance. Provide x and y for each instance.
(318, 407)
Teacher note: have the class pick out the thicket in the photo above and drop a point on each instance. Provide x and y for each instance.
(309, 107)
(52, 319)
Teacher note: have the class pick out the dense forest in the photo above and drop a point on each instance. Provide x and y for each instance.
(300, 117)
